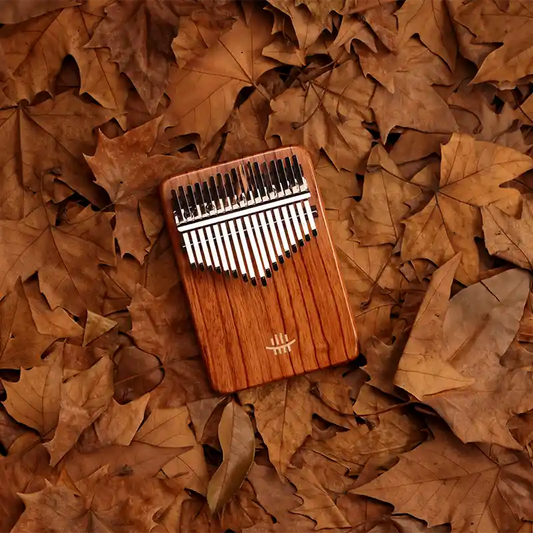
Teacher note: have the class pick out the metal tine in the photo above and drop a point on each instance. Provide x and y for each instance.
(178, 217)
(236, 239)
(273, 231)
(256, 225)
(182, 200)
(189, 200)
(292, 210)
(277, 214)
(208, 208)
(298, 171)
(213, 194)
(250, 227)
(201, 234)
(263, 220)
(297, 178)
(283, 180)
(220, 194)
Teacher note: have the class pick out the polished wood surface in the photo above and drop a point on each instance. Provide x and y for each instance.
(235, 321)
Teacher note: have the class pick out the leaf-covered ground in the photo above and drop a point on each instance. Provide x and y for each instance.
(418, 115)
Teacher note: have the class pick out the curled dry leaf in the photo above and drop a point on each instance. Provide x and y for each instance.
(83, 399)
(414, 486)
(471, 175)
(283, 416)
(169, 428)
(236, 435)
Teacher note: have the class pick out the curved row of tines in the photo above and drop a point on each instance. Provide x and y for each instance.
(253, 245)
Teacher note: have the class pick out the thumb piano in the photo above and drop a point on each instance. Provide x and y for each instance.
(259, 269)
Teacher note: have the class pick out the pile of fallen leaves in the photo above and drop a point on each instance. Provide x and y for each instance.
(419, 118)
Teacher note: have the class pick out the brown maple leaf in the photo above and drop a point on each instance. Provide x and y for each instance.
(67, 256)
(317, 505)
(405, 96)
(169, 428)
(34, 52)
(431, 21)
(83, 399)
(494, 22)
(508, 237)
(139, 35)
(283, 417)
(14, 11)
(395, 433)
(453, 361)
(327, 113)
(376, 219)
(126, 170)
(471, 175)
(204, 91)
(24, 470)
(95, 503)
(415, 485)
(202, 29)
(46, 140)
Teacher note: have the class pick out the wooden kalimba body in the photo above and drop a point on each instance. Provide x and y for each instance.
(259, 269)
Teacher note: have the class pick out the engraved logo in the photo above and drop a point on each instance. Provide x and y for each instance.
(280, 343)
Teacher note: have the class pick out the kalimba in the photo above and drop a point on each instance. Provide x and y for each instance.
(259, 269)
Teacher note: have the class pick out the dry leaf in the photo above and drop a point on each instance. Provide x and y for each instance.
(169, 428)
(14, 11)
(317, 505)
(83, 399)
(34, 399)
(161, 326)
(34, 52)
(56, 322)
(139, 34)
(236, 436)
(471, 175)
(415, 485)
(395, 434)
(508, 237)
(21, 345)
(283, 416)
(376, 219)
(119, 423)
(126, 170)
(431, 21)
(335, 185)
(474, 339)
(24, 471)
(421, 370)
(201, 30)
(96, 326)
(209, 85)
(327, 113)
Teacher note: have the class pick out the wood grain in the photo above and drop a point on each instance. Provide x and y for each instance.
(235, 321)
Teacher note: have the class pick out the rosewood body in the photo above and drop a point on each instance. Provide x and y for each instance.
(237, 322)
